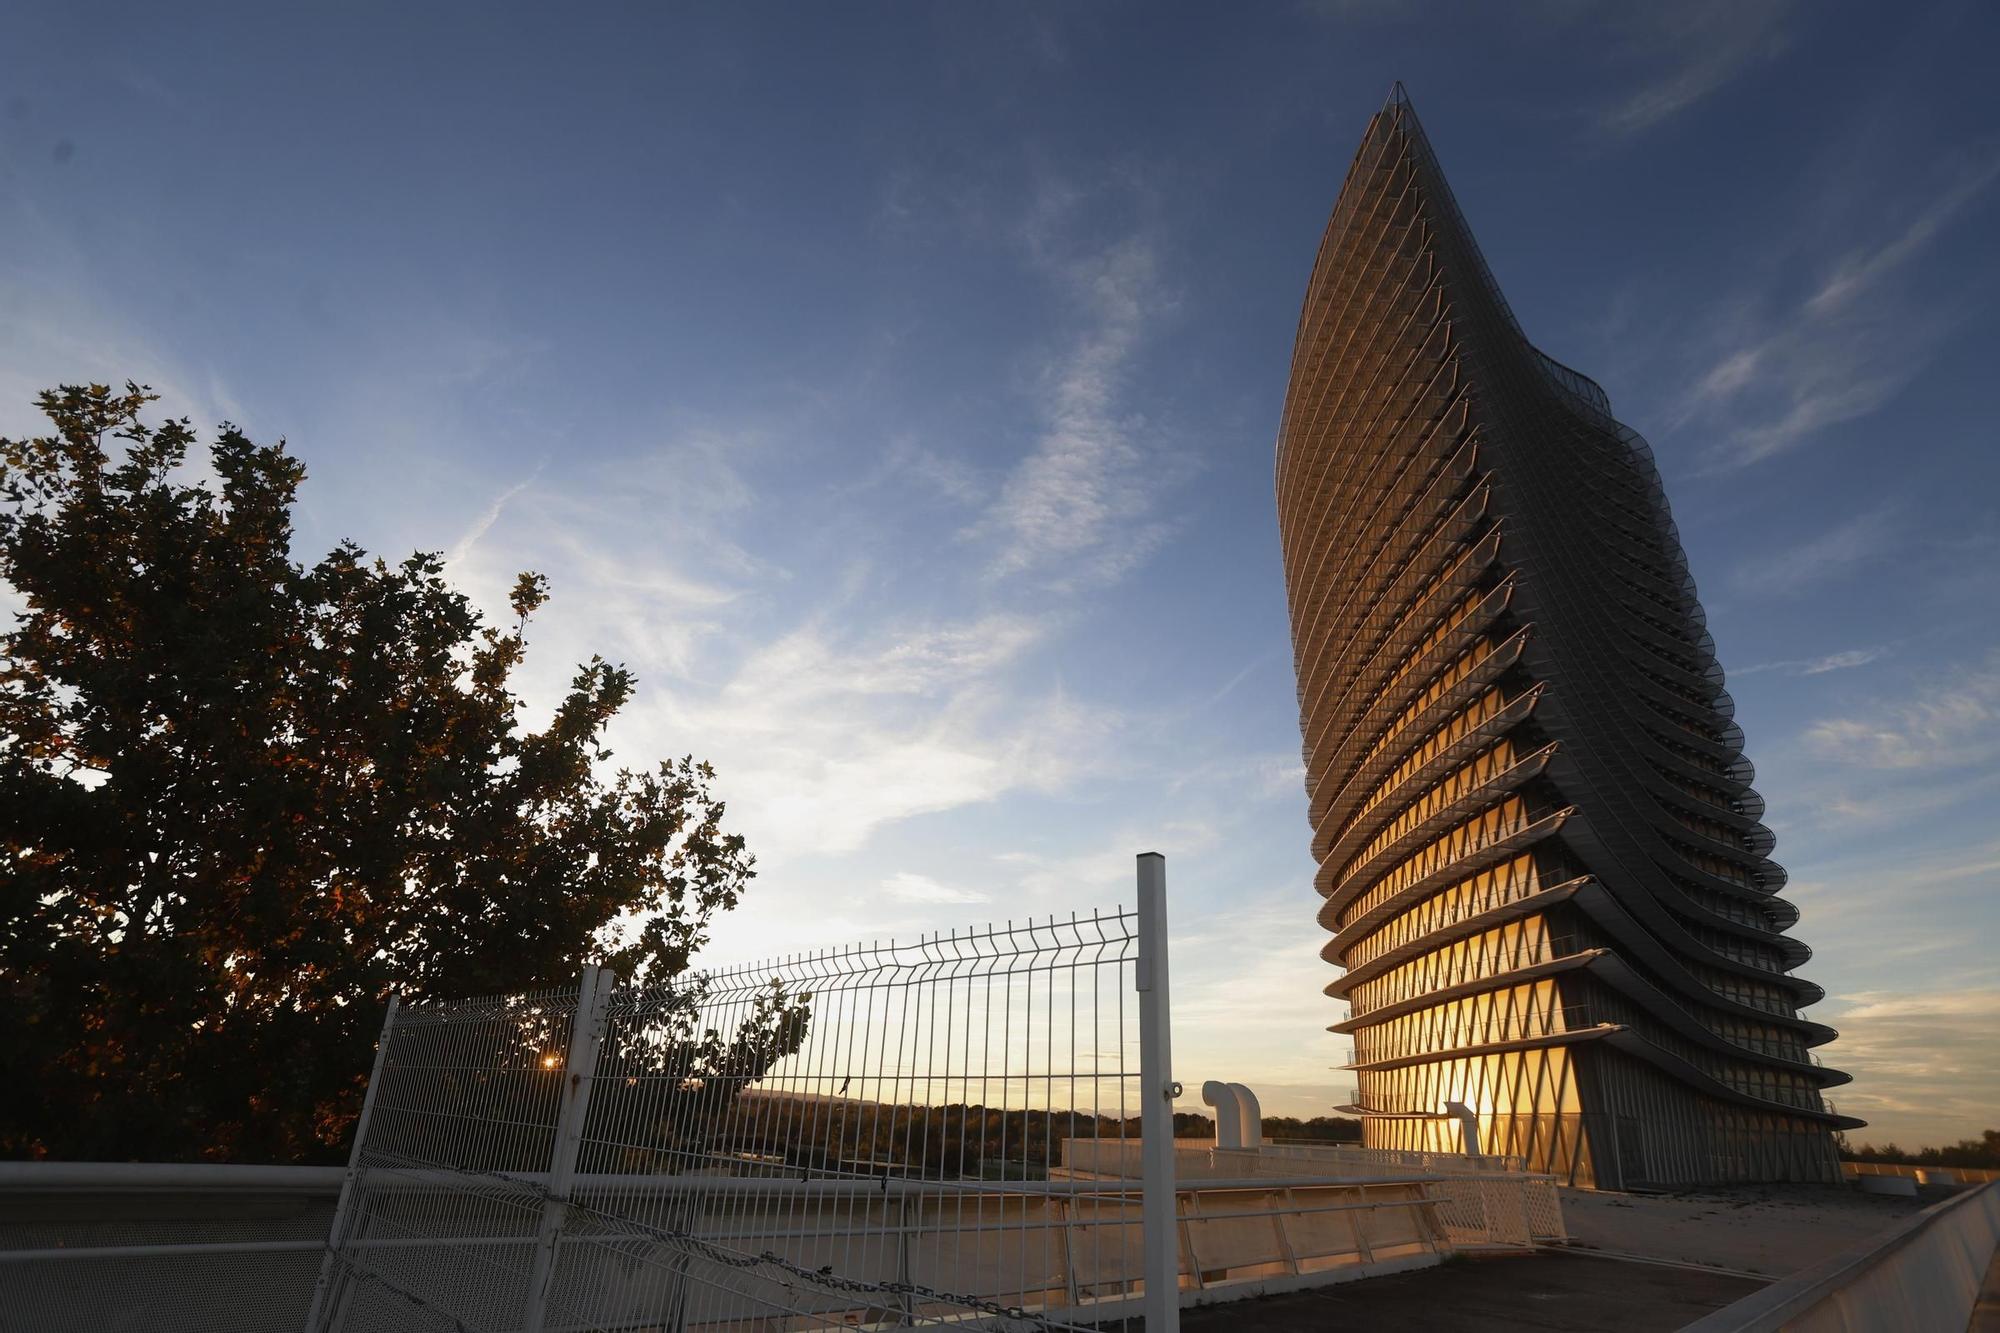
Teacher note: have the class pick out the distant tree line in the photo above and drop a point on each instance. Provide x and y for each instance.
(1983, 1151)
(1324, 1128)
(1321, 1128)
(955, 1141)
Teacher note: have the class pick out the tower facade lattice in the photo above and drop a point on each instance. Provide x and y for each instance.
(1540, 855)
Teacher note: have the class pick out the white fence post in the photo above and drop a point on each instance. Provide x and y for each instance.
(586, 1036)
(1160, 1227)
(351, 1184)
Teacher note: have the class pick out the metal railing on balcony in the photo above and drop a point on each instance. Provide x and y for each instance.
(1460, 909)
(1422, 979)
(1414, 1037)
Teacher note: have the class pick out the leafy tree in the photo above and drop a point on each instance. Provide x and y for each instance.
(242, 799)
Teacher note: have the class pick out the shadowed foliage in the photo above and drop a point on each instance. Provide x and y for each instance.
(1982, 1152)
(242, 798)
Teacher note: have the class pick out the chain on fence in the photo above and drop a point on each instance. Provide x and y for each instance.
(862, 1137)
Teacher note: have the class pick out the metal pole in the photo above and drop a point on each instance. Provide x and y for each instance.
(586, 1036)
(1157, 1090)
(350, 1185)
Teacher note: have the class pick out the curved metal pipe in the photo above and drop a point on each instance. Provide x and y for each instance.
(1468, 1126)
(1250, 1125)
(1228, 1113)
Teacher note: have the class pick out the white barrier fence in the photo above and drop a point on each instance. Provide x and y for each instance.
(852, 1136)
(222, 1249)
(971, 1129)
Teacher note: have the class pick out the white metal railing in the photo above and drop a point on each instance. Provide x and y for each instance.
(1499, 962)
(1234, 1236)
(1403, 932)
(896, 1134)
(1421, 1034)
(1418, 977)
(852, 1135)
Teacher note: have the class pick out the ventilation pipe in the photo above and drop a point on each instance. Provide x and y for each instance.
(1468, 1127)
(1250, 1124)
(1228, 1113)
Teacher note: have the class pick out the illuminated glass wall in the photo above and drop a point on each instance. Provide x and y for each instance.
(1540, 855)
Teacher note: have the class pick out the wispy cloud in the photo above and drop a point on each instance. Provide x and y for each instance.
(827, 714)
(487, 518)
(52, 333)
(1105, 867)
(1844, 351)
(1865, 268)
(931, 470)
(1247, 1002)
(1256, 776)
(1845, 660)
(1925, 1063)
(1841, 900)
(907, 886)
(1228, 687)
(1913, 1002)
(1070, 511)
(1950, 722)
(1841, 548)
(827, 736)
(1911, 766)
(1710, 45)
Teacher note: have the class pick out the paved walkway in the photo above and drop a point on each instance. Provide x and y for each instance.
(1986, 1313)
(1576, 1293)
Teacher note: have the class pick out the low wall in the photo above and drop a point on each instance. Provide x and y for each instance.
(1922, 1275)
(1483, 1202)
(120, 1247)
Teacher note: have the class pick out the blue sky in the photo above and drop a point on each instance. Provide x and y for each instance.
(894, 388)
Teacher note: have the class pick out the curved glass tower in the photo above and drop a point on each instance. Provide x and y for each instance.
(1539, 851)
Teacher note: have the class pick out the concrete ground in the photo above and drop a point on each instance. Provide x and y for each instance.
(1504, 1294)
(1769, 1230)
(1689, 1253)
(1986, 1310)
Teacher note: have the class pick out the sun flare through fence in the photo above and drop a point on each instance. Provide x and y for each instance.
(869, 1136)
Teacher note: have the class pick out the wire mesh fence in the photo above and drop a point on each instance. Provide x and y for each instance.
(870, 1136)
(974, 1128)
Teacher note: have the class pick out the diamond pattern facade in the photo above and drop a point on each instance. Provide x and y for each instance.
(1540, 855)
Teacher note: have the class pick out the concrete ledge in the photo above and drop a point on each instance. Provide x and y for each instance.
(179, 1177)
(1925, 1273)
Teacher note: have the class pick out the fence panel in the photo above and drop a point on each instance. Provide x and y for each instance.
(861, 1135)
(447, 1186)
